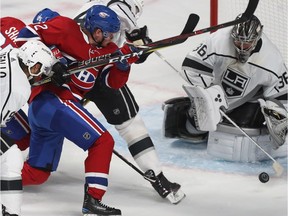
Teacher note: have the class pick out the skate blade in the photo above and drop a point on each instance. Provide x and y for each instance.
(176, 197)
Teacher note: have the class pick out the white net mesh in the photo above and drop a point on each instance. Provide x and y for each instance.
(272, 14)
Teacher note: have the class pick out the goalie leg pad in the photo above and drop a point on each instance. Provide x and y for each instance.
(237, 147)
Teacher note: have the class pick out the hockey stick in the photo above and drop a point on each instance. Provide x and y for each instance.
(173, 197)
(133, 166)
(252, 5)
(276, 165)
(166, 61)
(190, 25)
(186, 33)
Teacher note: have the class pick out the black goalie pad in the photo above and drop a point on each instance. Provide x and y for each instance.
(175, 110)
(248, 115)
(175, 117)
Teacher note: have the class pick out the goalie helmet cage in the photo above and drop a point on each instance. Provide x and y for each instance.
(272, 14)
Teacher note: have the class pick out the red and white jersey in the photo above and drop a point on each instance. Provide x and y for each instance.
(15, 87)
(65, 34)
(10, 28)
(215, 62)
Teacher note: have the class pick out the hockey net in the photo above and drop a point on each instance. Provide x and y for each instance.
(272, 14)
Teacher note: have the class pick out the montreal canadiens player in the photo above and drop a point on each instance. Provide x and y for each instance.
(66, 117)
(122, 109)
(241, 71)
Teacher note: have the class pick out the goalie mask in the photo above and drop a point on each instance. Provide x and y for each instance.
(245, 37)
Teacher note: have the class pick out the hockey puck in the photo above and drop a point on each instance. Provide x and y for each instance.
(263, 177)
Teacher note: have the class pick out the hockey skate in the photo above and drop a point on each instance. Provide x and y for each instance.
(165, 188)
(5, 213)
(92, 206)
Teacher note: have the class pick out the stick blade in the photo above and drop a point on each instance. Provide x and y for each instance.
(252, 5)
(191, 24)
(278, 168)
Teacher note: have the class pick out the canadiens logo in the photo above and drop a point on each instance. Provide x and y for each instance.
(103, 15)
(85, 79)
(234, 83)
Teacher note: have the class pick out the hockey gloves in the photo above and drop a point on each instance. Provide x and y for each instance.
(139, 37)
(122, 65)
(276, 118)
(126, 50)
(60, 75)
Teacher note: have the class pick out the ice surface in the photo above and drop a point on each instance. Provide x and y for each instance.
(213, 187)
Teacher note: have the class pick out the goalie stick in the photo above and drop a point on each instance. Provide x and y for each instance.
(151, 47)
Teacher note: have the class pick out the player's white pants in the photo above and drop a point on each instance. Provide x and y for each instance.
(139, 143)
(11, 166)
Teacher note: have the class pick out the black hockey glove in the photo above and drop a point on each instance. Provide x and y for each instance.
(59, 70)
(139, 37)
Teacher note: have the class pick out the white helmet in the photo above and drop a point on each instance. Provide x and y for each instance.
(33, 52)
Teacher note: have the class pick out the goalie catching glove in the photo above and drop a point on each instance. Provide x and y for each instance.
(275, 116)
